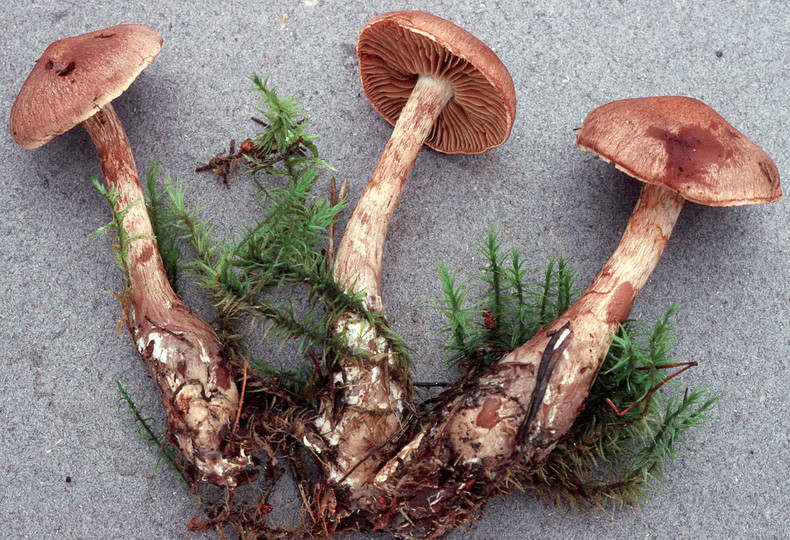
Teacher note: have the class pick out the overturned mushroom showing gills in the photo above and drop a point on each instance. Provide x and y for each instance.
(73, 82)
(441, 87)
(681, 149)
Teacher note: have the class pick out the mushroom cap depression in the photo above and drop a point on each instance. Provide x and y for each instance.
(394, 48)
(77, 76)
(684, 145)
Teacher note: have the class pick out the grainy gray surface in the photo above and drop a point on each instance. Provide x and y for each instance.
(59, 410)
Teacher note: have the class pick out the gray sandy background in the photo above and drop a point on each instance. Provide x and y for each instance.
(726, 268)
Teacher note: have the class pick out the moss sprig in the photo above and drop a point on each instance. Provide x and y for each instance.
(119, 238)
(607, 459)
(164, 230)
(275, 271)
(513, 308)
(155, 437)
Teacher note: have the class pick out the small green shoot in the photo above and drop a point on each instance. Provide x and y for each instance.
(512, 310)
(606, 459)
(155, 199)
(154, 436)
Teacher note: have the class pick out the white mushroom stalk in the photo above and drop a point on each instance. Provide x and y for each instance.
(440, 87)
(376, 386)
(73, 82)
(358, 261)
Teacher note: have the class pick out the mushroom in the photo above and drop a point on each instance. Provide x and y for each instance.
(73, 83)
(681, 149)
(441, 87)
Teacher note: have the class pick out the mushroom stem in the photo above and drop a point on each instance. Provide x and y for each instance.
(592, 320)
(374, 385)
(181, 351)
(147, 273)
(534, 394)
(358, 261)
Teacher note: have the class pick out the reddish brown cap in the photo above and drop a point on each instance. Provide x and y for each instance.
(394, 48)
(684, 145)
(77, 76)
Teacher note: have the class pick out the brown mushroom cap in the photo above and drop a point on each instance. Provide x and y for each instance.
(394, 48)
(684, 145)
(77, 76)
